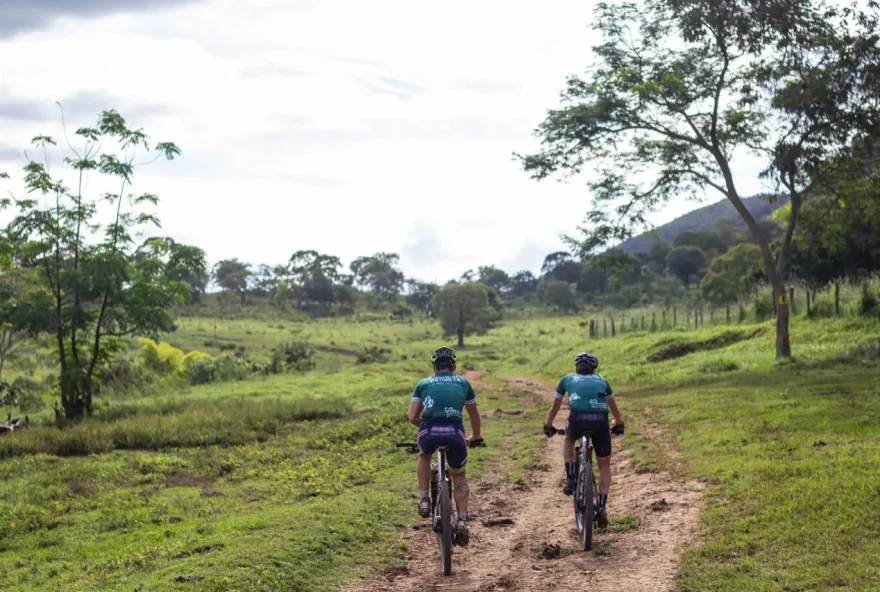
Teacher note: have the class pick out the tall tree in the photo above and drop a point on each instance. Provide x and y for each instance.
(709, 242)
(379, 273)
(523, 283)
(561, 266)
(686, 263)
(23, 309)
(495, 278)
(839, 234)
(315, 274)
(233, 275)
(193, 272)
(421, 294)
(561, 295)
(733, 275)
(680, 86)
(463, 309)
(99, 292)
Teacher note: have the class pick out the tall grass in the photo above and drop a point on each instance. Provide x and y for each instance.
(174, 424)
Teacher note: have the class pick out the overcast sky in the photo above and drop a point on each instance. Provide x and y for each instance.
(344, 126)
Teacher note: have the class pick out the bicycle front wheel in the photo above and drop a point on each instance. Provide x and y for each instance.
(444, 534)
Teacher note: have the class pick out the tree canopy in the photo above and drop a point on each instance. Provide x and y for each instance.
(679, 88)
(100, 288)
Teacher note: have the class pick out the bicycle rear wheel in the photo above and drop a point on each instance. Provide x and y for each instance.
(444, 534)
(586, 486)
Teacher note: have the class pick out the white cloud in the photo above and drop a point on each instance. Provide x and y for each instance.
(348, 127)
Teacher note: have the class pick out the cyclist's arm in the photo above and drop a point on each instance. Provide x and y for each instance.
(554, 408)
(612, 405)
(474, 416)
(470, 403)
(415, 412)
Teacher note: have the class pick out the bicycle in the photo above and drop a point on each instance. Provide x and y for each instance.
(442, 518)
(586, 494)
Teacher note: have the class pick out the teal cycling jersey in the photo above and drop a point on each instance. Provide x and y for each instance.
(586, 393)
(444, 396)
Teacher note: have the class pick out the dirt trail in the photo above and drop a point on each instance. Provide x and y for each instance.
(541, 548)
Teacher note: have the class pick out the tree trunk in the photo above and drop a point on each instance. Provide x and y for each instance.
(605, 327)
(674, 317)
(837, 297)
(727, 312)
(613, 330)
(460, 329)
(808, 302)
(775, 270)
(783, 341)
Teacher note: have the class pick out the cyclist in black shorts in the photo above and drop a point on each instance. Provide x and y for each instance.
(590, 397)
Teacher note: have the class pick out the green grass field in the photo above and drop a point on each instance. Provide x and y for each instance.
(291, 482)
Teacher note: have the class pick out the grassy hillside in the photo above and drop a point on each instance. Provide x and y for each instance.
(291, 482)
(703, 218)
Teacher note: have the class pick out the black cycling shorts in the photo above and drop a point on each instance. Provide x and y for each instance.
(580, 424)
(445, 433)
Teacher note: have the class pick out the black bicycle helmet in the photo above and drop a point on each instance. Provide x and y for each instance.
(586, 359)
(443, 356)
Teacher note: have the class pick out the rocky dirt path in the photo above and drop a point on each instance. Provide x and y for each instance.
(541, 548)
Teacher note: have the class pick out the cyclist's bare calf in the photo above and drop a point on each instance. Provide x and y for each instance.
(423, 472)
(460, 492)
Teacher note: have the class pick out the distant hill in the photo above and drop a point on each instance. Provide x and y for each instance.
(700, 219)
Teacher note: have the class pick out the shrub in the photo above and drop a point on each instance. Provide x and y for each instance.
(822, 309)
(193, 357)
(297, 355)
(868, 304)
(373, 354)
(763, 308)
(224, 368)
(30, 394)
(162, 358)
(201, 371)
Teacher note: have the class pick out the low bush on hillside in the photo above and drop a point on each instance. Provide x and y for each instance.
(374, 354)
(297, 355)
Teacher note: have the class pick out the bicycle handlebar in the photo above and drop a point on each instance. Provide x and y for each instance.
(414, 446)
